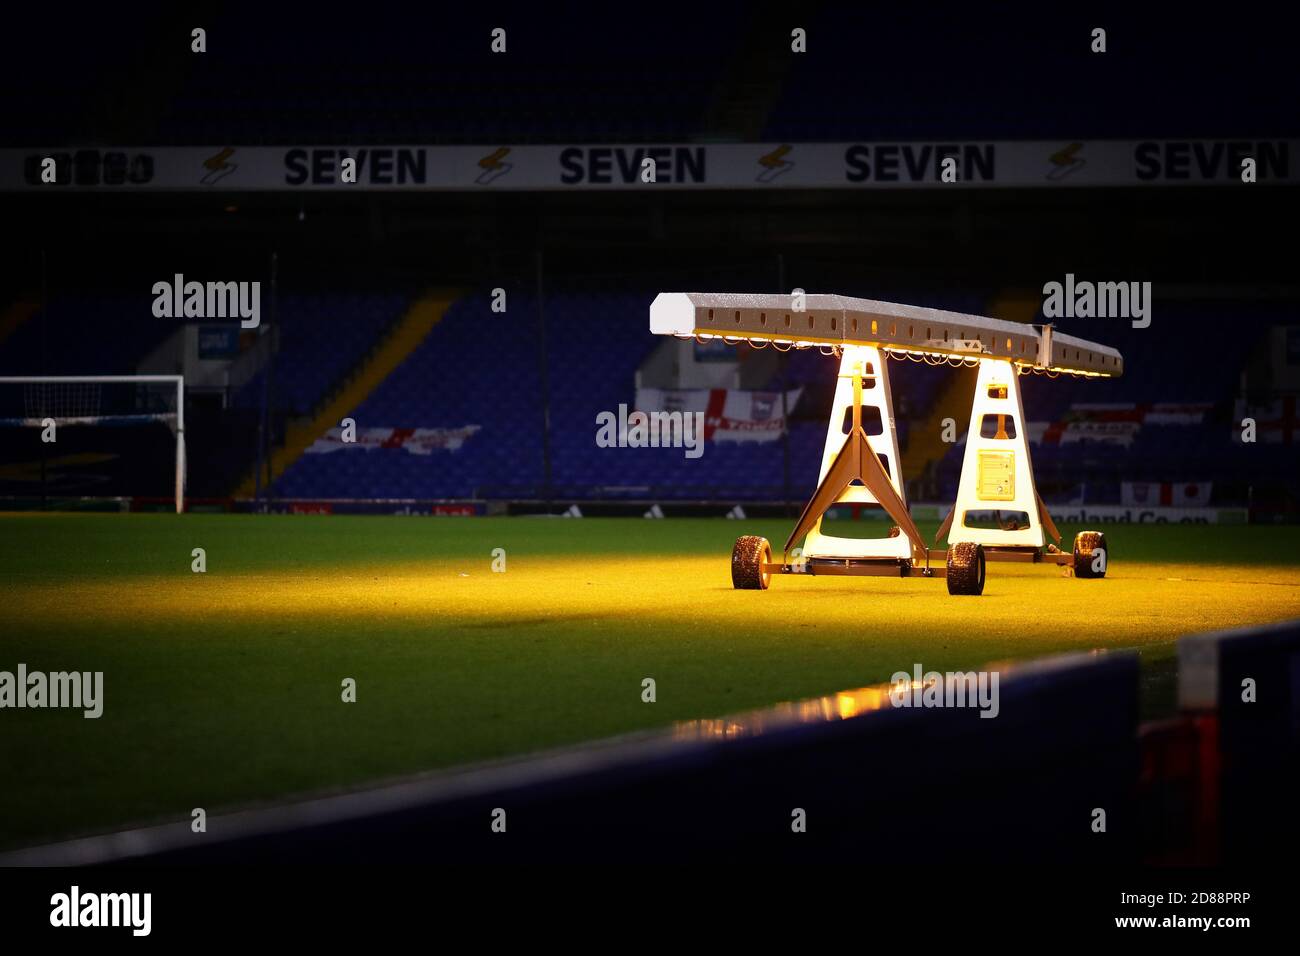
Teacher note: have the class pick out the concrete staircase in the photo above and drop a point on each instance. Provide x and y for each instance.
(400, 341)
(752, 81)
(926, 446)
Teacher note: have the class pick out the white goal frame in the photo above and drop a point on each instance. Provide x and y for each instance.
(177, 380)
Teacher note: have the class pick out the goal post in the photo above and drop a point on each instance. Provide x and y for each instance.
(80, 400)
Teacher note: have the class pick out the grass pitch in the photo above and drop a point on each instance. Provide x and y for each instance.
(223, 688)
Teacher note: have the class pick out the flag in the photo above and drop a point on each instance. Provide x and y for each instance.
(416, 441)
(729, 414)
(1275, 422)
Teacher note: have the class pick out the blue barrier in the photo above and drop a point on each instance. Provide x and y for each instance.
(1250, 680)
(894, 785)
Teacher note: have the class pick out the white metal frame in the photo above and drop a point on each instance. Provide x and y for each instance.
(997, 473)
(177, 380)
(867, 363)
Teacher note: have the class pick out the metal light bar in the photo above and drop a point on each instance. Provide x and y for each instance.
(836, 320)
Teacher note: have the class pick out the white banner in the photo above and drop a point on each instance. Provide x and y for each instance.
(1121, 514)
(1077, 514)
(729, 414)
(417, 441)
(1114, 422)
(1176, 494)
(1170, 413)
(882, 165)
(1063, 433)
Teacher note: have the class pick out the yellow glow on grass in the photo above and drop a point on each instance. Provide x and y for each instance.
(692, 598)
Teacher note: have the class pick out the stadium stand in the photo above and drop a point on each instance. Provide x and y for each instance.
(1165, 448)
(447, 381)
(82, 334)
(326, 336)
(338, 82)
(411, 89)
(1059, 88)
(323, 335)
(441, 386)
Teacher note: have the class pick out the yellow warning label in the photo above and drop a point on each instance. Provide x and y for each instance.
(997, 476)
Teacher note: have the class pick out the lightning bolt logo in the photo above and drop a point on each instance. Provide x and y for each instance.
(1066, 161)
(493, 167)
(775, 164)
(218, 167)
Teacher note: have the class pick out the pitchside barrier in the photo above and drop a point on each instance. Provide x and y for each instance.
(882, 786)
(1240, 690)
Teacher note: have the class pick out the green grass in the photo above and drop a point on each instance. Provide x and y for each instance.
(222, 689)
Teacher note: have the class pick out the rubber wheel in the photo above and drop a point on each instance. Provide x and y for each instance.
(748, 556)
(1085, 543)
(966, 568)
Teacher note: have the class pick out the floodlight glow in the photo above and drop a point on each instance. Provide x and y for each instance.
(997, 474)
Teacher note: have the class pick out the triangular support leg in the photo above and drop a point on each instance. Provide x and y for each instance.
(856, 460)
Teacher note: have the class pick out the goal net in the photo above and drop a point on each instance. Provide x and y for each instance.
(87, 437)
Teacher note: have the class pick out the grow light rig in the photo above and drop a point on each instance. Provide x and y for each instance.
(997, 473)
